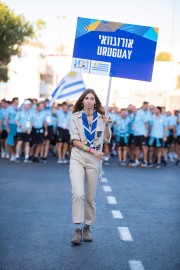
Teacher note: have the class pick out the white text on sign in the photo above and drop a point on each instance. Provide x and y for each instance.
(115, 42)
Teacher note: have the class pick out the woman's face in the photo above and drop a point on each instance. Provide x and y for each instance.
(89, 101)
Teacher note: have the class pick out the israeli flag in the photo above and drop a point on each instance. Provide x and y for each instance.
(70, 86)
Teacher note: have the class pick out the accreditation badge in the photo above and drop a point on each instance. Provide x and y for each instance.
(48, 119)
(28, 124)
(64, 126)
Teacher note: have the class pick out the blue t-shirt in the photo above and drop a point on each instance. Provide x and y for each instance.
(148, 114)
(139, 125)
(131, 117)
(171, 122)
(11, 112)
(34, 107)
(54, 123)
(2, 117)
(63, 119)
(122, 126)
(178, 126)
(157, 125)
(49, 116)
(24, 117)
(113, 116)
(38, 119)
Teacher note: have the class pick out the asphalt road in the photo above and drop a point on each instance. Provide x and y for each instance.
(137, 224)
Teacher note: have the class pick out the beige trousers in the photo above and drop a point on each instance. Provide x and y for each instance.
(83, 165)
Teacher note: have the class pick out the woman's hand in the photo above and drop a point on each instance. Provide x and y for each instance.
(98, 154)
(106, 119)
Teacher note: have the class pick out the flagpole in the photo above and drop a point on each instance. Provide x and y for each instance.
(108, 96)
(106, 112)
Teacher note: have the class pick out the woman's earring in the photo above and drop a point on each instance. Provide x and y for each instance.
(82, 105)
(95, 105)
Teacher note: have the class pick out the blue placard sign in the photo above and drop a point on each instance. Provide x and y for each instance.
(114, 49)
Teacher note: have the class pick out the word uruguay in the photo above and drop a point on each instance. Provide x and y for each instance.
(116, 42)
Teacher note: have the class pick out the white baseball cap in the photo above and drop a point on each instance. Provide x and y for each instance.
(27, 101)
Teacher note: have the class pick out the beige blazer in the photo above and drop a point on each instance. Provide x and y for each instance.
(77, 129)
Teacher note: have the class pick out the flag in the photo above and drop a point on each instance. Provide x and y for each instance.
(70, 86)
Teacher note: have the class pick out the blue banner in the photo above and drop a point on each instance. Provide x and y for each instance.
(114, 49)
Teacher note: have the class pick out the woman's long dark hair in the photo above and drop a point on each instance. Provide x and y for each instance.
(78, 105)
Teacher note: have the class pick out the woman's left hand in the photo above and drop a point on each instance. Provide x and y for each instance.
(106, 119)
(98, 154)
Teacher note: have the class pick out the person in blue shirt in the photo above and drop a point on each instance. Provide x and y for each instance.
(140, 130)
(3, 131)
(63, 135)
(113, 114)
(121, 131)
(178, 137)
(11, 112)
(39, 130)
(171, 121)
(50, 128)
(23, 121)
(165, 144)
(34, 104)
(131, 112)
(158, 134)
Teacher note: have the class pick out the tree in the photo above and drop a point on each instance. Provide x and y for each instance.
(14, 29)
(40, 25)
(36, 41)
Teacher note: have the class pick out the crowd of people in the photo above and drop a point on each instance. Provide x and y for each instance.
(146, 137)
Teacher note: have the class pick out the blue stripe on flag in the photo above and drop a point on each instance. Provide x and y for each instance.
(71, 93)
(72, 84)
(55, 91)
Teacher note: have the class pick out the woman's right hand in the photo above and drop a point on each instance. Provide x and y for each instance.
(98, 154)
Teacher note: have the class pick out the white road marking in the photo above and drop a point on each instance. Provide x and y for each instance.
(125, 234)
(116, 214)
(136, 265)
(111, 200)
(107, 188)
(104, 180)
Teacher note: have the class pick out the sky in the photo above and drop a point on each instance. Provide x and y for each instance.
(61, 17)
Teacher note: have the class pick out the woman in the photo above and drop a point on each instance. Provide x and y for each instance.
(86, 129)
